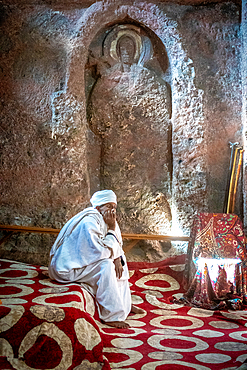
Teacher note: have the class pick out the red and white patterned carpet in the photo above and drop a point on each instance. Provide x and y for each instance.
(172, 336)
(46, 325)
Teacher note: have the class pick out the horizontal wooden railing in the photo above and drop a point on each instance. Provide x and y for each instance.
(29, 229)
(11, 229)
(155, 237)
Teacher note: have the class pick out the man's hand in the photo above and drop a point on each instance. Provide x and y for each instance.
(118, 267)
(110, 218)
(108, 211)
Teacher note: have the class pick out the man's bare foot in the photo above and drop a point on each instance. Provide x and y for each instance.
(137, 310)
(117, 324)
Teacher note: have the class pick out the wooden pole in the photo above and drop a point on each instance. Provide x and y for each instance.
(29, 229)
(47, 230)
(155, 237)
(229, 203)
(236, 180)
(232, 146)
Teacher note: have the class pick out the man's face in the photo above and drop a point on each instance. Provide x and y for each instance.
(111, 206)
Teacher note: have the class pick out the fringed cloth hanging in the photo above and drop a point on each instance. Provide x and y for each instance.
(216, 266)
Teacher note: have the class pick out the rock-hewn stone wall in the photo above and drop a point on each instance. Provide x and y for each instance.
(244, 89)
(51, 152)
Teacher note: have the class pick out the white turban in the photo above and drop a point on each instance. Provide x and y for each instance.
(102, 197)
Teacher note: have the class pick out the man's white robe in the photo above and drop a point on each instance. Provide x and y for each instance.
(84, 252)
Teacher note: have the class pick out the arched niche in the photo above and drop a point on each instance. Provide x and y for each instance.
(186, 115)
(129, 110)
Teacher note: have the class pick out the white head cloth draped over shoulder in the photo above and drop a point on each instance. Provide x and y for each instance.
(102, 197)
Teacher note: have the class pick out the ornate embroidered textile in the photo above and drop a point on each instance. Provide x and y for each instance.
(215, 273)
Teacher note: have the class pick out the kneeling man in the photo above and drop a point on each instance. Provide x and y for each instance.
(89, 250)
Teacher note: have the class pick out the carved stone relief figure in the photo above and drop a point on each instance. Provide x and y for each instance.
(129, 108)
